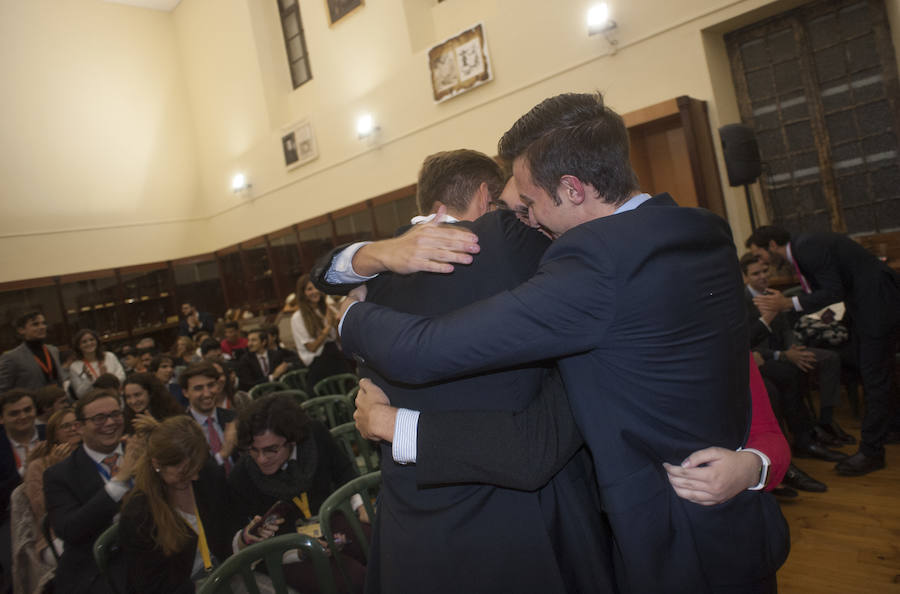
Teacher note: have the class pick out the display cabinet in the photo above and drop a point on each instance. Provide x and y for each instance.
(257, 273)
(94, 300)
(197, 282)
(148, 300)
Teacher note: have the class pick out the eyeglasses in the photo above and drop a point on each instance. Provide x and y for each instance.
(72, 424)
(100, 419)
(266, 451)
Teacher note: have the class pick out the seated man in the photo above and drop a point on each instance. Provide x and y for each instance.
(285, 353)
(210, 349)
(233, 345)
(194, 321)
(261, 364)
(83, 492)
(198, 382)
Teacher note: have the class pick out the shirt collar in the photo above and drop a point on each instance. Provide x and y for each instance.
(34, 439)
(753, 292)
(426, 219)
(633, 202)
(201, 418)
(99, 456)
(790, 254)
(293, 456)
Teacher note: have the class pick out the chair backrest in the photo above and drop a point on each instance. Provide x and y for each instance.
(295, 380)
(270, 553)
(336, 384)
(332, 410)
(357, 448)
(104, 547)
(262, 389)
(299, 395)
(367, 487)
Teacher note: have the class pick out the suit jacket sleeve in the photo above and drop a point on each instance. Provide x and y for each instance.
(765, 434)
(7, 373)
(816, 261)
(247, 372)
(320, 269)
(77, 523)
(543, 318)
(517, 450)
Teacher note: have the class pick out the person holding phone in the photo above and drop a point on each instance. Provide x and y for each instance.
(292, 461)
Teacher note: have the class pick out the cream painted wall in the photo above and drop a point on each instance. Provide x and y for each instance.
(218, 95)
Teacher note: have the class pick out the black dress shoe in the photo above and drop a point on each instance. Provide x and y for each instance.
(859, 464)
(797, 479)
(817, 450)
(835, 434)
(784, 492)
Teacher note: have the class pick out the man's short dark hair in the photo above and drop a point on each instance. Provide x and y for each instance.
(273, 331)
(747, 260)
(93, 395)
(763, 235)
(232, 325)
(26, 316)
(13, 396)
(594, 149)
(209, 344)
(453, 177)
(108, 381)
(46, 396)
(279, 414)
(193, 370)
(158, 360)
(263, 335)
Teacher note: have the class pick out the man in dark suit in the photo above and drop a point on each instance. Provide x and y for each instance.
(84, 491)
(198, 381)
(492, 539)
(634, 293)
(194, 321)
(261, 364)
(32, 364)
(832, 268)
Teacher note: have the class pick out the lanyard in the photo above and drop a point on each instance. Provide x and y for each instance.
(47, 364)
(90, 368)
(201, 541)
(103, 470)
(302, 504)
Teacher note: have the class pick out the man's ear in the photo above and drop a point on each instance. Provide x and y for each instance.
(571, 189)
(773, 245)
(484, 197)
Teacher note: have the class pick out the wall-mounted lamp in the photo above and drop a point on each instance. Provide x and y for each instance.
(366, 126)
(599, 21)
(239, 184)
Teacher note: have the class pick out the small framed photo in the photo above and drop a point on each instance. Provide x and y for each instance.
(338, 9)
(298, 143)
(459, 64)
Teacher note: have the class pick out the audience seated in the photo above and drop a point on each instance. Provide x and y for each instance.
(194, 321)
(227, 394)
(233, 345)
(292, 459)
(163, 367)
(128, 357)
(32, 364)
(314, 326)
(218, 424)
(108, 381)
(183, 352)
(261, 364)
(145, 394)
(275, 344)
(48, 400)
(210, 349)
(83, 491)
(92, 361)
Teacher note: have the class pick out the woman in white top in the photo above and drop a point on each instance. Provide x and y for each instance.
(314, 326)
(92, 361)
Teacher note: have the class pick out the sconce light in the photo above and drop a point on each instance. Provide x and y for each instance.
(599, 21)
(239, 184)
(366, 127)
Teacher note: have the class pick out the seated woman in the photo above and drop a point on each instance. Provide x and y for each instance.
(144, 393)
(183, 352)
(291, 458)
(62, 437)
(91, 362)
(163, 367)
(177, 496)
(314, 326)
(227, 394)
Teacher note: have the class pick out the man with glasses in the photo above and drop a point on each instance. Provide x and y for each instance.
(198, 382)
(83, 492)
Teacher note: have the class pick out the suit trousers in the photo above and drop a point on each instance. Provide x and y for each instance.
(876, 366)
(792, 384)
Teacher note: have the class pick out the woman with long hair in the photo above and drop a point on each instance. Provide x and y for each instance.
(183, 352)
(144, 393)
(91, 361)
(172, 531)
(227, 394)
(314, 326)
(62, 437)
(163, 367)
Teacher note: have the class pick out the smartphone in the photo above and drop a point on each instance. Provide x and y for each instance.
(278, 511)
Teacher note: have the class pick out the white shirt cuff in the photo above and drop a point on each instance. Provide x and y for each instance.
(769, 328)
(341, 269)
(341, 323)
(406, 431)
(219, 459)
(356, 501)
(116, 489)
(796, 302)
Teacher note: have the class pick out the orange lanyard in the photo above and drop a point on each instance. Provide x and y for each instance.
(89, 367)
(48, 365)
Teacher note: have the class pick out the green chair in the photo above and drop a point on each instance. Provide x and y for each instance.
(262, 389)
(336, 384)
(270, 552)
(367, 487)
(106, 545)
(299, 395)
(352, 395)
(356, 447)
(332, 410)
(295, 380)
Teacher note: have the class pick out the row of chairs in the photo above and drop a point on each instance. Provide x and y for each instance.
(270, 552)
(295, 381)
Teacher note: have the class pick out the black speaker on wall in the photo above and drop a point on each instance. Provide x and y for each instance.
(741, 154)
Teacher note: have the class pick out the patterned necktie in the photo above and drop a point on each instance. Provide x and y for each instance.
(215, 442)
(112, 463)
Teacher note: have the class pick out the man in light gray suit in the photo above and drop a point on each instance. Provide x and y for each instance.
(32, 364)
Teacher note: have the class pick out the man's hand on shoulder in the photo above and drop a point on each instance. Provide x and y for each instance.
(428, 247)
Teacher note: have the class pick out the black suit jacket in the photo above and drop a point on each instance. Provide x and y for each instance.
(80, 510)
(249, 371)
(9, 475)
(837, 268)
(148, 570)
(491, 539)
(630, 303)
(778, 336)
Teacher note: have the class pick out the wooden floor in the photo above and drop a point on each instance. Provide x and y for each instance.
(846, 540)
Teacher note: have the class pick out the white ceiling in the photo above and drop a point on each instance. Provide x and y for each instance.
(164, 5)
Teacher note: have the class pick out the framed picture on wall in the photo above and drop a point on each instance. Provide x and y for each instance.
(459, 64)
(298, 143)
(338, 9)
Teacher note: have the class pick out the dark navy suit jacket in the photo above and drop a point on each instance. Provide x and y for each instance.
(648, 306)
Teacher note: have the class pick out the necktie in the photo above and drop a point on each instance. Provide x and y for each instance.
(803, 282)
(264, 364)
(215, 442)
(112, 463)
